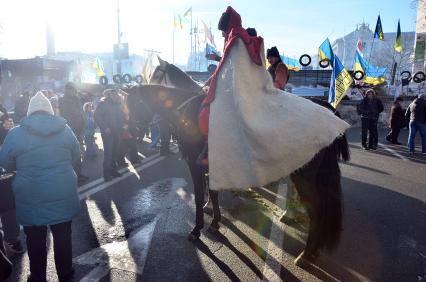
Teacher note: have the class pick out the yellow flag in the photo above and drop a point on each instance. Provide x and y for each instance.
(98, 66)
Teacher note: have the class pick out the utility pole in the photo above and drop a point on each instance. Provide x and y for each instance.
(118, 36)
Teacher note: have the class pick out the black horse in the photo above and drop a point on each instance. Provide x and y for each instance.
(318, 182)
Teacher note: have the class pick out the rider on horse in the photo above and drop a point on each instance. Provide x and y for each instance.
(230, 25)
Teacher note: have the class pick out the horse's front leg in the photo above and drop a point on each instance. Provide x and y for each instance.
(197, 180)
(214, 197)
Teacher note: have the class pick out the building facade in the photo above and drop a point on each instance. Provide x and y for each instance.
(420, 44)
(378, 53)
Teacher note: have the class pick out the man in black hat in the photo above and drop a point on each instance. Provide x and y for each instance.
(278, 69)
(71, 109)
(110, 119)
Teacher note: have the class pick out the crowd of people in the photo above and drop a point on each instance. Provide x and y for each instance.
(414, 117)
(45, 188)
(63, 128)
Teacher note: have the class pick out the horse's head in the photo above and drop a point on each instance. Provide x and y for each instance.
(178, 106)
(170, 75)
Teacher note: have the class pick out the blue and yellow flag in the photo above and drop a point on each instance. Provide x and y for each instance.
(372, 75)
(398, 40)
(378, 32)
(210, 50)
(325, 51)
(178, 21)
(188, 13)
(98, 66)
(292, 64)
(341, 81)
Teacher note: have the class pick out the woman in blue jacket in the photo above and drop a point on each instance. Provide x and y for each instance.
(42, 150)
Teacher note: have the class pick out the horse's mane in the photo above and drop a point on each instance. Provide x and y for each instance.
(172, 76)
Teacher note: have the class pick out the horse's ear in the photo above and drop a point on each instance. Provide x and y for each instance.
(163, 63)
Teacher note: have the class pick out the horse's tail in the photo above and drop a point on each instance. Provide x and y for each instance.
(329, 191)
(343, 148)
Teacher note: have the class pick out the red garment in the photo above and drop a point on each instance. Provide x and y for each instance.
(281, 76)
(253, 45)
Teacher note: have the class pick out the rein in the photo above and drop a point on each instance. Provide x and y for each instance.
(186, 102)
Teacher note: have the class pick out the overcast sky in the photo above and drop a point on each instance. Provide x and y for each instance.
(296, 27)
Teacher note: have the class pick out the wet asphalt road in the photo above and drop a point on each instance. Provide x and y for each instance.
(135, 229)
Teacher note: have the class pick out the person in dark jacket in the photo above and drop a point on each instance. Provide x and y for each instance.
(5, 264)
(396, 121)
(7, 203)
(42, 150)
(21, 106)
(417, 114)
(110, 119)
(71, 109)
(89, 131)
(128, 144)
(370, 109)
(6, 124)
(278, 70)
(8, 220)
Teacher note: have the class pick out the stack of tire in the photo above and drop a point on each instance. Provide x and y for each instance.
(121, 79)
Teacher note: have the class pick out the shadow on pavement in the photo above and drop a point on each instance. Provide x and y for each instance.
(223, 266)
(384, 236)
(366, 167)
(252, 214)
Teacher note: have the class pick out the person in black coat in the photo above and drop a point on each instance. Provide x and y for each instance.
(21, 106)
(7, 203)
(369, 109)
(71, 109)
(396, 121)
(110, 119)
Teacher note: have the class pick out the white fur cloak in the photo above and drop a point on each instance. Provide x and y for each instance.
(257, 133)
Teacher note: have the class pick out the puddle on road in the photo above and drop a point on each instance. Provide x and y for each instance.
(156, 192)
(164, 186)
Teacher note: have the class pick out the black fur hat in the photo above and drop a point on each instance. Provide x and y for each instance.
(273, 52)
(251, 31)
(223, 22)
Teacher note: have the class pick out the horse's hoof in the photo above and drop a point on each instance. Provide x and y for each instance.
(193, 237)
(305, 260)
(288, 220)
(214, 228)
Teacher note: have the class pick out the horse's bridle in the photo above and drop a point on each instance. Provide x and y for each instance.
(182, 108)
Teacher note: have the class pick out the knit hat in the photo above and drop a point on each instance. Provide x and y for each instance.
(371, 90)
(39, 103)
(273, 52)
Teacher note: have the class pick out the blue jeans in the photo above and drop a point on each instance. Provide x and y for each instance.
(414, 127)
(155, 135)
